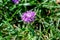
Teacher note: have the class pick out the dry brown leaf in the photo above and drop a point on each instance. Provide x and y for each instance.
(58, 1)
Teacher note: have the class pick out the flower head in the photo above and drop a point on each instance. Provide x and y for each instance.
(15, 1)
(28, 16)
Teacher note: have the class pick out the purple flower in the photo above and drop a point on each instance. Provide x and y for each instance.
(15, 1)
(28, 16)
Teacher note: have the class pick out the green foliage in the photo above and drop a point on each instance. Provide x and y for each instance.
(45, 27)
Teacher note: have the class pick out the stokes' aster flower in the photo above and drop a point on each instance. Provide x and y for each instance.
(28, 16)
(15, 1)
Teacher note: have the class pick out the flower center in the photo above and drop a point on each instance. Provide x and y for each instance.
(28, 15)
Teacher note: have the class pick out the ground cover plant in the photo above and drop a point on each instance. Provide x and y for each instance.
(29, 20)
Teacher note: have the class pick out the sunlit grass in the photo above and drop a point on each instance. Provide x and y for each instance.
(46, 25)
